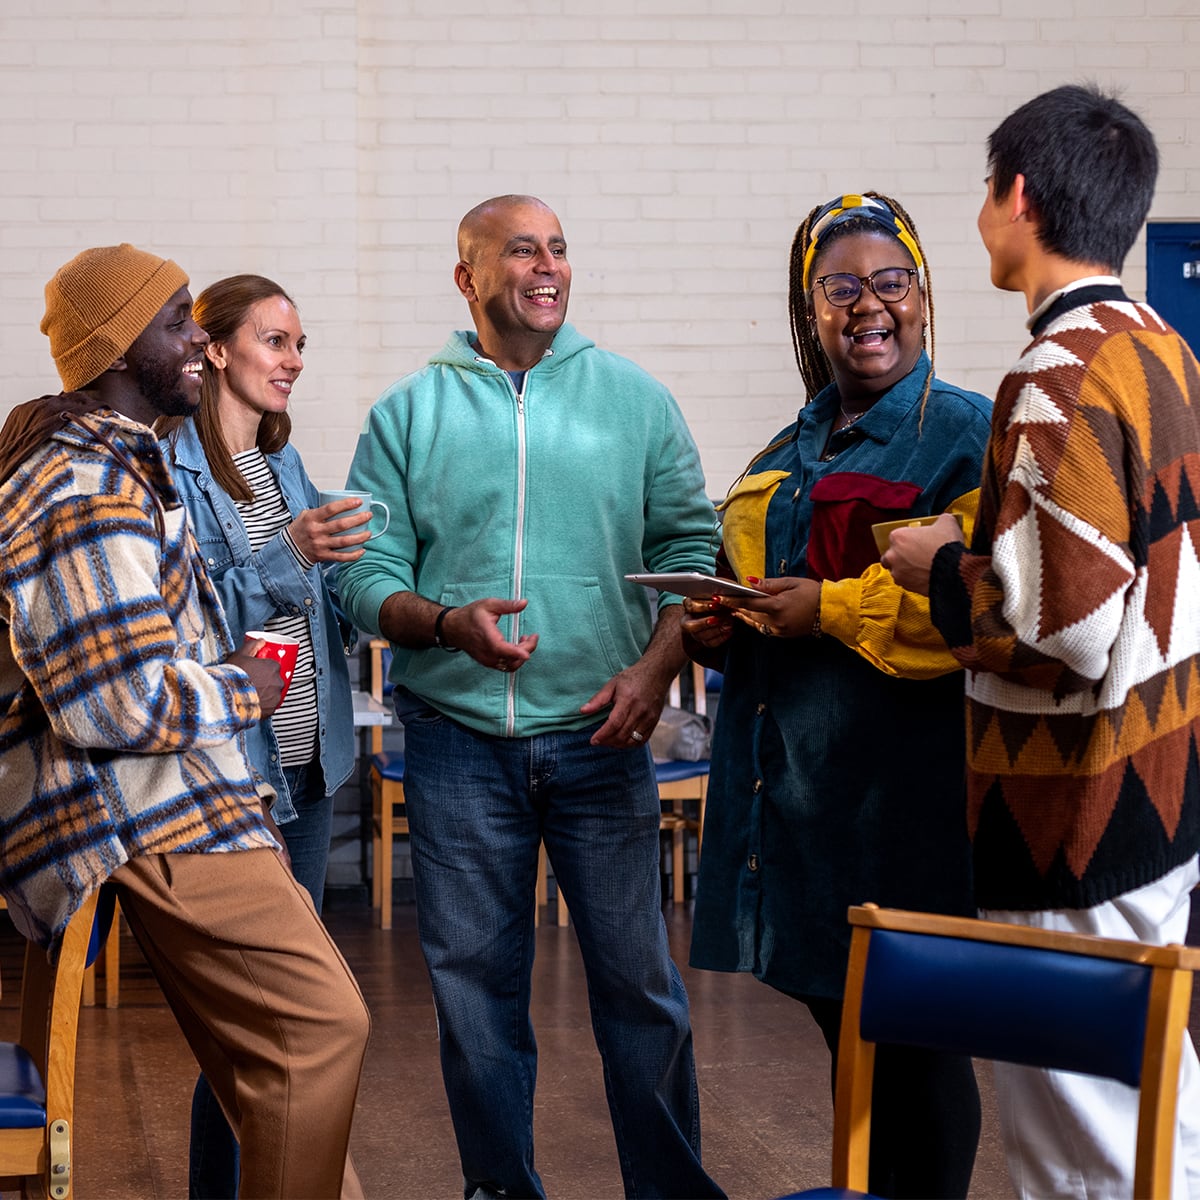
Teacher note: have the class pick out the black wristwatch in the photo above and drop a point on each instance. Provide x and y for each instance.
(439, 639)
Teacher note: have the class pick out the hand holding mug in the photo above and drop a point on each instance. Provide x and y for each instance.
(368, 504)
(336, 531)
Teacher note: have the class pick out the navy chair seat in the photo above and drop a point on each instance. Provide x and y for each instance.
(677, 769)
(828, 1193)
(389, 764)
(22, 1092)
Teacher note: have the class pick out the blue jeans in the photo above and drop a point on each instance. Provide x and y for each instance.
(213, 1160)
(478, 807)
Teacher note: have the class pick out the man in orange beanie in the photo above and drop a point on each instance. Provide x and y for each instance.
(122, 751)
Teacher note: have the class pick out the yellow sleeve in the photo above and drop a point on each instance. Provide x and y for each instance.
(888, 626)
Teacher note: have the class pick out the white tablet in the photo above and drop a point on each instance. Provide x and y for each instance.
(693, 583)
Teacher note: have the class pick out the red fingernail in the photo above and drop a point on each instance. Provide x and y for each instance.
(753, 579)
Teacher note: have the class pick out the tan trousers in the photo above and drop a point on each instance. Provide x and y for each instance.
(267, 1004)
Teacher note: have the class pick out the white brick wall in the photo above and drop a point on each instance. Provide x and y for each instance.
(334, 144)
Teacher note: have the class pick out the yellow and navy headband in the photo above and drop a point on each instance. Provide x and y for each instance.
(845, 208)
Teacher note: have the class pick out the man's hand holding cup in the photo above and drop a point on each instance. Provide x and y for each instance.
(270, 661)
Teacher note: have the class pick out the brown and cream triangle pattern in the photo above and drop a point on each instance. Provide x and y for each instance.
(1083, 688)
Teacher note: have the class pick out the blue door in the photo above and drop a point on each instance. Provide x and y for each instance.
(1173, 276)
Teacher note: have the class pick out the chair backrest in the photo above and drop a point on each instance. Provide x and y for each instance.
(1068, 1001)
(37, 1073)
(697, 701)
(377, 660)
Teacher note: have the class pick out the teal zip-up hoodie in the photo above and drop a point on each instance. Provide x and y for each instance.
(553, 495)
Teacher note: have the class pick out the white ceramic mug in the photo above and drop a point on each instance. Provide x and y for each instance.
(367, 502)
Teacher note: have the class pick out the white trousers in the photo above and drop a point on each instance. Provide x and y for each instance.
(1074, 1135)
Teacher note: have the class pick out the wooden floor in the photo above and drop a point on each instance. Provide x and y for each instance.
(763, 1074)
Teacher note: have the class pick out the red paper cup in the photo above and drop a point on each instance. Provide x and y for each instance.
(282, 649)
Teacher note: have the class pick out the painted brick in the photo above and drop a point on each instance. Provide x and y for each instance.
(338, 149)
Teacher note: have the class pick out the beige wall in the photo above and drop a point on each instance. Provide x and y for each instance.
(333, 144)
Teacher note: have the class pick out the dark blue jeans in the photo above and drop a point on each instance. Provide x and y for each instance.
(213, 1161)
(478, 807)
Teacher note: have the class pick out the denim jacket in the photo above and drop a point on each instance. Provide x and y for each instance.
(255, 587)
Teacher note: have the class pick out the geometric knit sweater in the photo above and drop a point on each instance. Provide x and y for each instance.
(1076, 612)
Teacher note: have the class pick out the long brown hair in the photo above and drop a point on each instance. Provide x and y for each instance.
(220, 310)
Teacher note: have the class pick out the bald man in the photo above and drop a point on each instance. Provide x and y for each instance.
(528, 472)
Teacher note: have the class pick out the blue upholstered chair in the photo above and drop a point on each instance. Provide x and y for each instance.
(37, 1072)
(1099, 1006)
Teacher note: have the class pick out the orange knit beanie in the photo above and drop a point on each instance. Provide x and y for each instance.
(98, 304)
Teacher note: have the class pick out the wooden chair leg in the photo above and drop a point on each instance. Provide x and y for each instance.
(678, 845)
(543, 890)
(112, 961)
(563, 916)
(376, 841)
(385, 858)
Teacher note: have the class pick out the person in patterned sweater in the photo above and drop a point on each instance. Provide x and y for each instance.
(1076, 609)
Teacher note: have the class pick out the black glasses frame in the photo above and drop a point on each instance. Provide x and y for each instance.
(869, 281)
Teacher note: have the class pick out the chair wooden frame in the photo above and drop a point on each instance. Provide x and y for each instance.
(37, 1157)
(1165, 1003)
(386, 777)
(111, 958)
(674, 793)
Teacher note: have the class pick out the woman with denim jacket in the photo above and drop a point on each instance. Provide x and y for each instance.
(838, 757)
(254, 513)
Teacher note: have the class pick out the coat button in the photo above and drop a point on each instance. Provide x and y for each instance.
(752, 862)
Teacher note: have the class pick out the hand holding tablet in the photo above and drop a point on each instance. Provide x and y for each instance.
(693, 583)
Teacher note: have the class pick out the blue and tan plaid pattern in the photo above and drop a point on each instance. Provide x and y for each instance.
(120, 730)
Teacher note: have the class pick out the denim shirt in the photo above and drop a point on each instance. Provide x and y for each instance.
(256, 587)
(832, 781)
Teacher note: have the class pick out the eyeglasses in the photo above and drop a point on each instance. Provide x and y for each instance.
(890, 284)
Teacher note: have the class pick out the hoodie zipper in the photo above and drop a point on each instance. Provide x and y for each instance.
(510, 716)
(510, 690)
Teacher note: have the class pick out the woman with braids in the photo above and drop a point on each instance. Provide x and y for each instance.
(838, 761)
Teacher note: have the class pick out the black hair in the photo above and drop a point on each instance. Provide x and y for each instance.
(815, 369)
(1090, 166)
(810, 357)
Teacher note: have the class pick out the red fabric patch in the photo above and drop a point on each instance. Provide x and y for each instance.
(845, 506)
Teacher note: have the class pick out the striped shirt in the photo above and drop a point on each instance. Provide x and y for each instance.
(296, 720)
